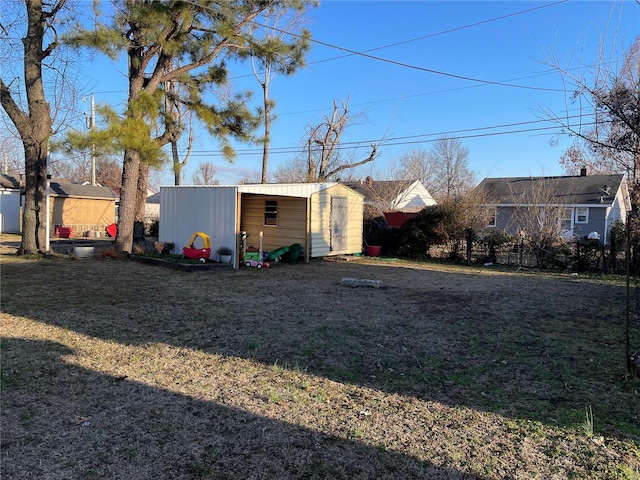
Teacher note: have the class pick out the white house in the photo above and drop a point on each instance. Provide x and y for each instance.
(393, 195)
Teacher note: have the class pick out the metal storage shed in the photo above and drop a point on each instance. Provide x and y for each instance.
(324, 218)
(10, 204)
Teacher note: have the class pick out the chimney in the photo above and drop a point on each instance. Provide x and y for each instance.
(583, 171)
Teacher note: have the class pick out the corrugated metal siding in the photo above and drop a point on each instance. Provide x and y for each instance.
(9, 211)
(185, 210)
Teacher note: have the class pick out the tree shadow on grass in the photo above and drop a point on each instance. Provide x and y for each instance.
(62, 421)
(532, 347)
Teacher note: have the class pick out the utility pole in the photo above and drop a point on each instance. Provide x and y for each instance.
(93, 146)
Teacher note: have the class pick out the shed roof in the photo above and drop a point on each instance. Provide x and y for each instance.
(300, 190)
(562, 190)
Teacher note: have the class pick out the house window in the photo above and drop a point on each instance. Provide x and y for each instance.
(565, 222)
(582, 215)
(492, 214)
(271, 212)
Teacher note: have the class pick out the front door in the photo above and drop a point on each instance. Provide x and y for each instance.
(339, 224)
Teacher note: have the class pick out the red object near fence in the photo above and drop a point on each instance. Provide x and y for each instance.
(64, 232)
(112, 230)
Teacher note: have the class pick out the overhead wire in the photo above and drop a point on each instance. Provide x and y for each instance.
(477, 132)
(405, 140)
(419, 68)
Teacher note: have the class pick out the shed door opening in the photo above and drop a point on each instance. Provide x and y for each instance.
(339, 223)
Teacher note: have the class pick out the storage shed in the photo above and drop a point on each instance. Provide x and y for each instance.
(10, 206)
(324, 218)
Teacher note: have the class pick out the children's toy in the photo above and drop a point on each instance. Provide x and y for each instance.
(202, 253)
(252, 256)
(255, 263)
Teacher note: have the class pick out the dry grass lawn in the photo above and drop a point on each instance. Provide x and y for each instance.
(114, 369)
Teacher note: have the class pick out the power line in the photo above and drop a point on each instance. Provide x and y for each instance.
(477, 132)
(423, 37)
(443, 32)
(424, 69)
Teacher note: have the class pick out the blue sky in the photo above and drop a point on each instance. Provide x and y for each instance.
(398, 98)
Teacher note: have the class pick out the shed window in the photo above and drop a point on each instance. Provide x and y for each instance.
(271, 212)
(582, 215)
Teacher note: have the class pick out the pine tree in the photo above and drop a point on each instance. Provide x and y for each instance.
(175, 41)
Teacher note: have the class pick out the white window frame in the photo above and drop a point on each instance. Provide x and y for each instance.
(582, 212)
(566, 220)
(492, 216)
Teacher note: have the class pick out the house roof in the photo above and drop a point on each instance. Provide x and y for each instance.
(155, 198)
(373, 190)
(61, 187)
(596, 190)
(9, 182)
(64, 188)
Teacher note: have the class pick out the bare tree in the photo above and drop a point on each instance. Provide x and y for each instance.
(251, 179)
(77, 168)
(420, 165)
(607, 121)
(11, 156)
(453, 176)
(294, 170)
(540, 221)
(25, 101)
(325, 157)
(205, 175)
(443, 170)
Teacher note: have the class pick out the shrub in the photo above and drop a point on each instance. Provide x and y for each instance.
(154, 228)
(427, 228)
(375, 231)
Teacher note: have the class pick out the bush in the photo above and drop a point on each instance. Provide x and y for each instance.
(154, 228)
(427, 228)
(375, 231)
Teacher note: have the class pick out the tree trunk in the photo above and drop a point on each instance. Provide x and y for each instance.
(267, 131)
(34, 126)
(141, 192)
(127, 209)
(34, 211)
(177, 165)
